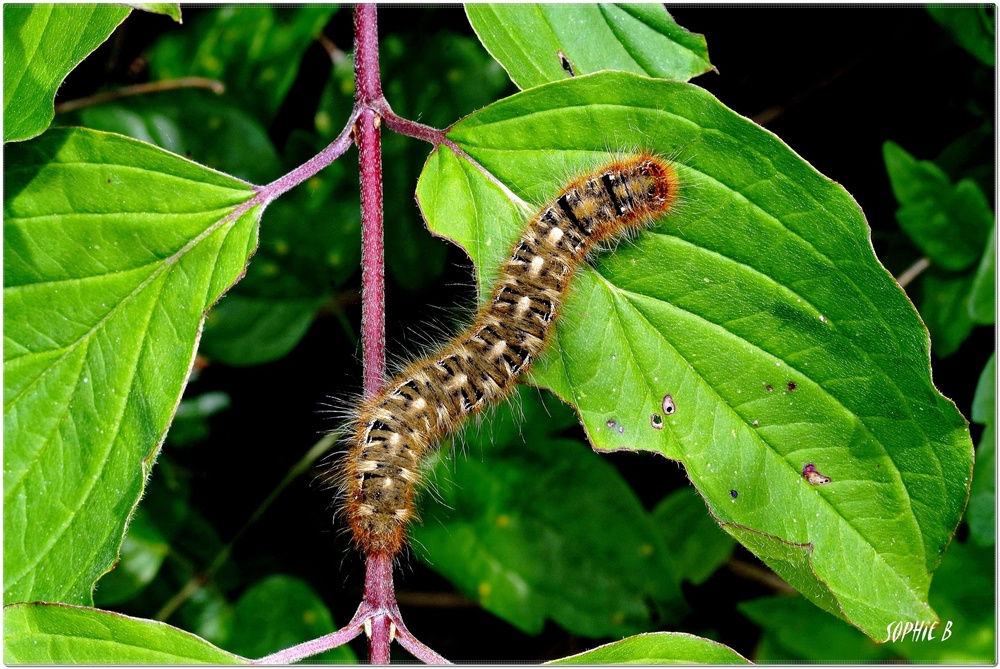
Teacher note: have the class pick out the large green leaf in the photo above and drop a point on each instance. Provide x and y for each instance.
(273, 307)
(658, 648)
(113, 251)
(760, 307)
(540, 43)
(61, 634)
(500, 526)
(42, 44)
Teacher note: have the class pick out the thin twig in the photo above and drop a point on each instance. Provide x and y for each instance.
(140, 89)
(309, 168)
(913, 271)
(332, 50)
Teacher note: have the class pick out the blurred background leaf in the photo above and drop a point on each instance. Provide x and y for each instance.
(501, 531)
(254, 49)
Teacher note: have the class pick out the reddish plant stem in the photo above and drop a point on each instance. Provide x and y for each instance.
(368, 138)
(378, 615)
(379, 595)
(368, 90)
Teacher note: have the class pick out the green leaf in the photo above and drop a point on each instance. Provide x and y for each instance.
(658, 648)
(696, 545)
(983, 294)
(945, 310)
(760, 307)
(502, 531)
(60, 634)
(142, 554)
(973, 28)
(810, 634)
(949, 223)
(171, 9)
(278, 612)
(108, 272)
(42, 44)
(963, 594)
(255, 50)
(981, 514)
(539, 43)
(245, 330)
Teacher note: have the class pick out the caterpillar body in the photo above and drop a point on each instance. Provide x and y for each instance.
(395, 428)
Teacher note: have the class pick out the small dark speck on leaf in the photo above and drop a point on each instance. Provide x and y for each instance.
(612, 424)
(792, 386)
(566, 64)
(668, 404)
(769, 387)
(811, 474)
(734, 494)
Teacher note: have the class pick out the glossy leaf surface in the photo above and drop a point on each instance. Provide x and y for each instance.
(107, 277)
(540, 43)
(42, 44)
(760, 307)
(658, 648)
(61, 634)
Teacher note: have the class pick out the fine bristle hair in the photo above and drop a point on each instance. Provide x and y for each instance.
(392, 433)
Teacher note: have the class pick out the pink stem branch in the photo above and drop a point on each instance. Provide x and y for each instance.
(265, 194)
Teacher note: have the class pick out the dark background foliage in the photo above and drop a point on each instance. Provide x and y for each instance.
(833, 83)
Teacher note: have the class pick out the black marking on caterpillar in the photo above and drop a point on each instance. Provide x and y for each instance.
(397, 427)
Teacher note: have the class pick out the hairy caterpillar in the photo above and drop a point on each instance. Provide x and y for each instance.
(431, 397)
